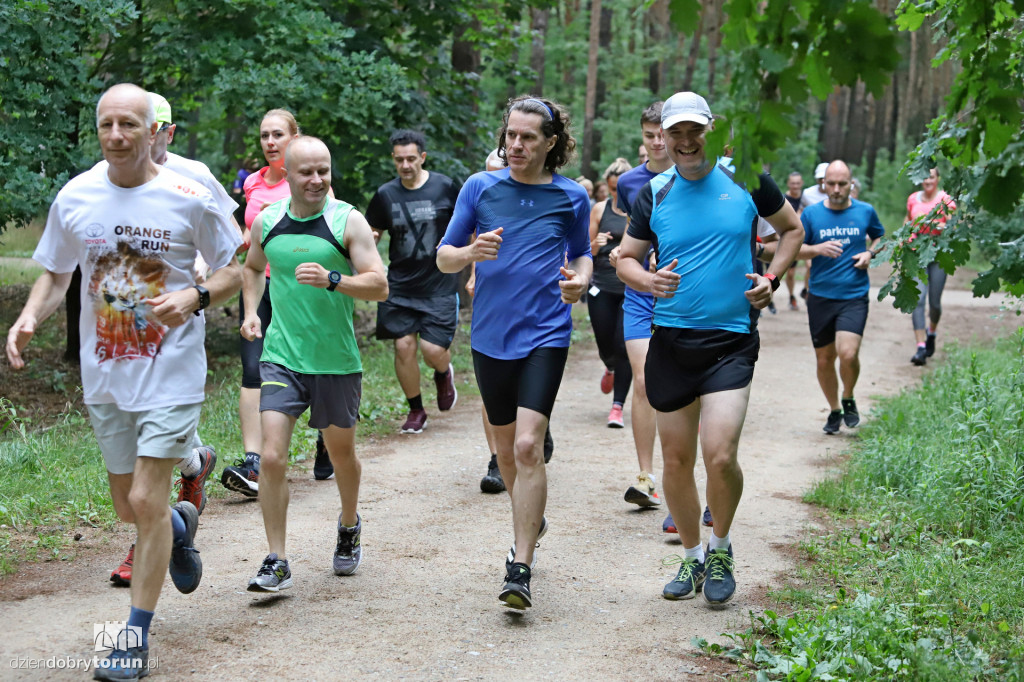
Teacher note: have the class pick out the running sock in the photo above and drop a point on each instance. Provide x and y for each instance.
(617, 404)
(438, 376)
(191, 465)
(921, 345)
(718, 543)
(695, 553)
(177, 524)
(140, 618)
(416, 403)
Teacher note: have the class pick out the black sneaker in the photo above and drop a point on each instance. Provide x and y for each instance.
(929, 344)
(123, 664)
(689, 579)
(348, 553)
(512, 550)
(186, 567)
(244, 476)
(516, 591)
(549, 446)
(719, 583)
(851, 417)
(920, 356)
(492, 482)
(835, 418)
(322, 467)
(273, 576)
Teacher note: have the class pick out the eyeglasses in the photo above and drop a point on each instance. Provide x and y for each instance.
(164, 127)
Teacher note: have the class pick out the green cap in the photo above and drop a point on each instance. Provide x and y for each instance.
(163, 108)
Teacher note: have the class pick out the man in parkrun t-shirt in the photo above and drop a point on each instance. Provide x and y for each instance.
(134, 228)
(323, 256)
(837, 306)
(422, 301)
(704, 345)
(528, 221)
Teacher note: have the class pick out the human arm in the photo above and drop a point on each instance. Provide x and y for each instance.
(254, 281)
(597, 239)
(370, 282)
(577, 278)
(174, 308)
(661, 284)
(829, 249)
(790, 233)
(46, 296)
(484, 247)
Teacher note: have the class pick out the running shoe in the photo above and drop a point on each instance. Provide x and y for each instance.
(322, 467)
(688, 581)
(122, 575)
(186, 567)
(706, 517)
(920, 356)
(516, 591)
(929, 344)
(851, 417)
(348, 553)
(194, 489)
(510, 559)
(607, 381)
(123, 665)
(792, 303)
(244, 476)
(668, 525)
(492, 481)
(803, 293)
(415, 422)
(835, 418)
(447, 394)
(719, 583)
(549, 446)
(273, 576)
(615, 418)
(771, 308)
(642, 492)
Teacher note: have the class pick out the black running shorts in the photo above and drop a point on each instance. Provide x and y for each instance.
(252, 350)
(332, 399)
(531, 382)
(434, 319)
(826, 316)
(684, 364)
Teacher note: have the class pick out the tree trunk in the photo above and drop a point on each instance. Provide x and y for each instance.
(590, 99)
(539, 31)
(691, 62)
(657, 19)
(713, 9)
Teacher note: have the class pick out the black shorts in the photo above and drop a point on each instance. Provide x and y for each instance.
(252, 350)
(826, 316)
(434, 319)
(684, 364)
(531, 382)
(332, 399)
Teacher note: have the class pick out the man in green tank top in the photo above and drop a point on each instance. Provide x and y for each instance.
(323, 255)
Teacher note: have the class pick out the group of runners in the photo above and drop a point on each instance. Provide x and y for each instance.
(674, 295)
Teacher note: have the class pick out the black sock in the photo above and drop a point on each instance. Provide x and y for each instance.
(416, 403)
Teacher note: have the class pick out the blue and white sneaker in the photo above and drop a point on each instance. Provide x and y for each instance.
(186, 567)
(719, 583)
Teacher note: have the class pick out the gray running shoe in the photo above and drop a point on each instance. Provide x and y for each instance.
(510, 559)
(273, 576)
(688, 581)
(186, 567)
(123, 665)
(719, 583)
(349, 552)
(516, 590)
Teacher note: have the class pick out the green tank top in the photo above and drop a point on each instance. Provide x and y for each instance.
(311, 329)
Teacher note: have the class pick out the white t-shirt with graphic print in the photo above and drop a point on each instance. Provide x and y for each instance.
(134, 244)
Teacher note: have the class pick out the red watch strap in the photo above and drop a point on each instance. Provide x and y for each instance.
(770, 276)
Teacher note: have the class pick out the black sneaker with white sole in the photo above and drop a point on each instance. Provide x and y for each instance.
(244, 476)
(516, 590)
(835, 418)
(492, 481)
(851, 417)
(323, 469)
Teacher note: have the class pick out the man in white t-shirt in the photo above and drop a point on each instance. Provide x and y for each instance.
(134, 230)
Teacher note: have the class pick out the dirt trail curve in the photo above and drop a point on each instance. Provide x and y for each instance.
(423, 606)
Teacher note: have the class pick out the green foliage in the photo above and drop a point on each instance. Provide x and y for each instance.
(924, 564)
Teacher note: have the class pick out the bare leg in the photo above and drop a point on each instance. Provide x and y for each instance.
(848, 349)
(722, 416)
(341, 446)
(437, 358)
(407, 368)
(642, 415)
(678, 432)
(827, 379)
(277, 436)
(150, 488)
(249, 418)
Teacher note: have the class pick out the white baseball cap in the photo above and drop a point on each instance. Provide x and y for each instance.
(685, 106)
(819, 171)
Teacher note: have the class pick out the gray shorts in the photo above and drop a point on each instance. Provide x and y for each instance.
(163, 433)
(332, 399)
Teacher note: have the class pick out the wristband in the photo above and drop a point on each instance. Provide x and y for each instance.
(204, 298)
(776, 283)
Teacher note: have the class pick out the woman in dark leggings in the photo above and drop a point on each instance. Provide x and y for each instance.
(604, 301)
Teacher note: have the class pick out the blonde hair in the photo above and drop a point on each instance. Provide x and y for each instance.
(617, 167)
(289, 119)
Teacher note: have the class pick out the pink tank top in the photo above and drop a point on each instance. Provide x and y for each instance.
(917, 207)
(259, 195)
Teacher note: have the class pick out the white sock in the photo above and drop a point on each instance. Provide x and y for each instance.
(718, 543)
(654, 481)
(695, 553)
(191, 465)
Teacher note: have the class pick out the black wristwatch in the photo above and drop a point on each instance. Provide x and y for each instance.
(775, 281)
(204, 298)
(335, 278)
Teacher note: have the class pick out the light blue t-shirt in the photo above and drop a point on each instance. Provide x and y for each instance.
(517, 306)
(710, 226)
(837, 278)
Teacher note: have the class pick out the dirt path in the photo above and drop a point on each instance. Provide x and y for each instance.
(424, 603)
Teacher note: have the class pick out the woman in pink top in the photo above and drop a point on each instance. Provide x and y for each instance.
(919, 205)
(262, 188)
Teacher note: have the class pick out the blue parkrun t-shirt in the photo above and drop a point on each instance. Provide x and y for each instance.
(630, 184)
(837, 278)
(517, 306)
(710, 226)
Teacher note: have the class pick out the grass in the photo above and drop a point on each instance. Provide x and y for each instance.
(20, 242)
(19, 272)
(922, 575)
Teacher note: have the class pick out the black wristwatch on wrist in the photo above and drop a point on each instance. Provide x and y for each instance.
(204, 298)
(334, 277)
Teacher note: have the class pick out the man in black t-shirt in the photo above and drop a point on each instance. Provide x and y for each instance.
(415, 209)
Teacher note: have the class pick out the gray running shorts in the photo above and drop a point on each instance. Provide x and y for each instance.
(163, 433)
(332, 399)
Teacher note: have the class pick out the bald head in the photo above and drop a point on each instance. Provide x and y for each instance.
(128, 95)
(837, 185)
(308, 163)
(303, 147)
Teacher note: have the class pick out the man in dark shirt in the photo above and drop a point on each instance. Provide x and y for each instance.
(415, 209)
